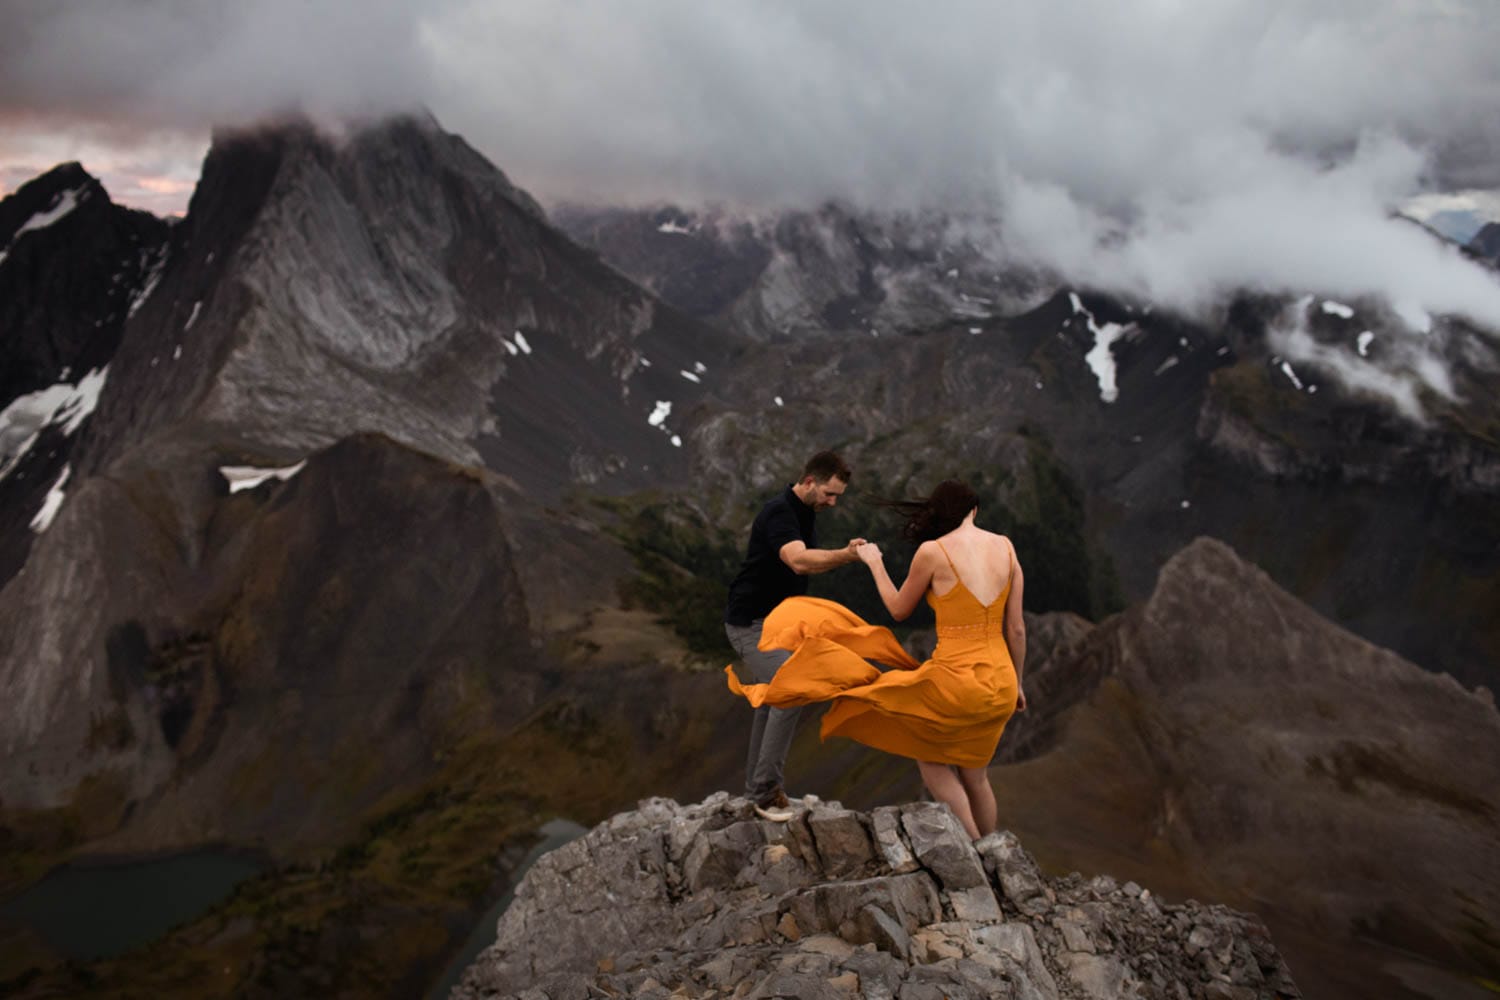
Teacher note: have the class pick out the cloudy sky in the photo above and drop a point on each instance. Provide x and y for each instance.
(1172, 147)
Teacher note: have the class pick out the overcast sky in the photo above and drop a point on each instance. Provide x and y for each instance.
(1168, 146)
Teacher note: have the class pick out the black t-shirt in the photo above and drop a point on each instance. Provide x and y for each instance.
(764, 581)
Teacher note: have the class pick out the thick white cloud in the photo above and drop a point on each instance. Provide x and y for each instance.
(1283, 225)
(1165, 147)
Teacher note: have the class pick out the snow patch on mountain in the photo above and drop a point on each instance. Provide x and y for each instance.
(153, 278)
(1100, 359)
(52, 504)
(62, 204)
(23, 421)
(247, 477)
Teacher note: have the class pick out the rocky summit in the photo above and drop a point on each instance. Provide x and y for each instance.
(709, 900)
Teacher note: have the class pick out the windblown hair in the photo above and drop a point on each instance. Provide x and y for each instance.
(935, 515)
(826, 465)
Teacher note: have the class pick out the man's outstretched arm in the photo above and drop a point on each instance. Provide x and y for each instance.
(805, 561)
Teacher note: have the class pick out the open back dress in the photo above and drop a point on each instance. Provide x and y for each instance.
(948, 710)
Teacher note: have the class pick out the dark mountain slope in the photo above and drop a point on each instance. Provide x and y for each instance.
(70, 262)
(390, 288)
(72, 265)
(1237, 746)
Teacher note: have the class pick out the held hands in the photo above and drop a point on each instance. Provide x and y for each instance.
(868, 552)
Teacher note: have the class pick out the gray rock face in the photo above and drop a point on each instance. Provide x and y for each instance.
(708, 901)
(834, 269)
(398, 283)
(937, 840)
(1015, 873)
(392, 287)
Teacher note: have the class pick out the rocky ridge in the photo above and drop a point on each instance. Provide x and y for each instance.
(709, 900)
(834, 268)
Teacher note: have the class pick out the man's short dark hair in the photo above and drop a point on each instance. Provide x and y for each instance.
(826, 465)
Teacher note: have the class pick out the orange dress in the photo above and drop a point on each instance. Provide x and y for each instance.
(949, 710)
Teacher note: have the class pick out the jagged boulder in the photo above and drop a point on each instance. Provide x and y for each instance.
(709, 900)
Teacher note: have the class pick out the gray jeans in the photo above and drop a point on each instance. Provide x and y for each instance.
(771, 732)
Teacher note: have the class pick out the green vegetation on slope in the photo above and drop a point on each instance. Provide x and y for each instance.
(683, 566)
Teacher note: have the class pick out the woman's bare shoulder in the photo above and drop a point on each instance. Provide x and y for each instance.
(1003, 543)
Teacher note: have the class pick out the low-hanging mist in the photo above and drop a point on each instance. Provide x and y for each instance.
(1166, 151)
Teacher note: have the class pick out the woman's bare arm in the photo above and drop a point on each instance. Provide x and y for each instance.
(900, 603)
(1015, 627)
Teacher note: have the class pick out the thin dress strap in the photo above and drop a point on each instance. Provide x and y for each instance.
(949, 558)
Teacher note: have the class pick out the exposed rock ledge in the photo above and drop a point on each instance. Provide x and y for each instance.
(710, 901)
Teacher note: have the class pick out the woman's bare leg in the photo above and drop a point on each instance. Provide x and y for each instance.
(942, 781)
(976, 783)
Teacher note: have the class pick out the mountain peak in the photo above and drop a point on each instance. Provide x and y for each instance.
(414, 143)
(46, 198)
(70, 173)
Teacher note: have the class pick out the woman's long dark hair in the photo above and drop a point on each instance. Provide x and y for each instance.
(934, 515)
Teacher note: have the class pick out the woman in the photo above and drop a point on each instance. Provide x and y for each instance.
(947, 713)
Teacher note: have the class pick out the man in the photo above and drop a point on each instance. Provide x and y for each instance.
(782, 553)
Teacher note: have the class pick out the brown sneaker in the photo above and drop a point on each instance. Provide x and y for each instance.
(774, 806)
